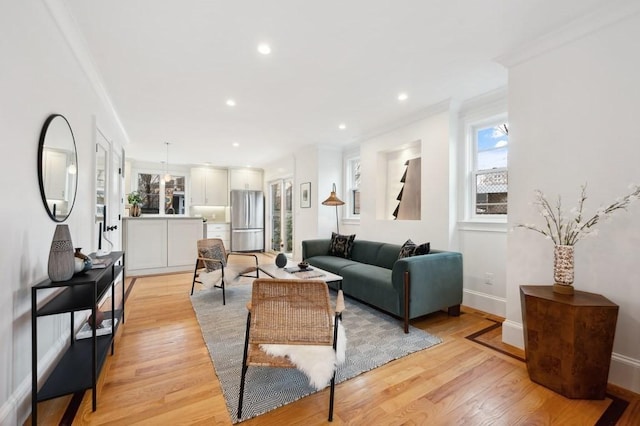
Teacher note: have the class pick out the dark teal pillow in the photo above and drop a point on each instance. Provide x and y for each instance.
(341, 245)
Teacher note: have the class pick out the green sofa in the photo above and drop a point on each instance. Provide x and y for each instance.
(406, 288)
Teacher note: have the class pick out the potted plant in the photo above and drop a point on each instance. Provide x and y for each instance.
(135, 200)
(566, 229)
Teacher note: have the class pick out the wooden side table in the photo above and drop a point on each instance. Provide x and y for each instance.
(568, 340)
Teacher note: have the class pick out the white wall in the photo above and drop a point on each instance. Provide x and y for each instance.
(322, 166)
(573, 113)
(433, 134)
(40, 76)
(482, 242)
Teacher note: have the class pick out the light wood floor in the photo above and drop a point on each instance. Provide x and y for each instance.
(161, 374)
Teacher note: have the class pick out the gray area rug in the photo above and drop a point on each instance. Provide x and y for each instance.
(373, 339)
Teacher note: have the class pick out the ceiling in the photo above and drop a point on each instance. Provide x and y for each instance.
(169, 66)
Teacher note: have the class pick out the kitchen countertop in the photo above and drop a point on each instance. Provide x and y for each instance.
(157, 217)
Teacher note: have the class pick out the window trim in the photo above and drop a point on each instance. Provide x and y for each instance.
(471, 127)
(348, 215)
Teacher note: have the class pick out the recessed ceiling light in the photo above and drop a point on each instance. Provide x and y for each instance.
(248, 166)
(403, 96)
(231, 102)
(342, 126)
(235, 144)
(264, 48)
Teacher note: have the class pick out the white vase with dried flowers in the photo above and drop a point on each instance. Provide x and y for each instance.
(565, 230)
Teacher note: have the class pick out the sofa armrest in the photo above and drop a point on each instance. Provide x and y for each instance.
(435, 281)
(318, 247)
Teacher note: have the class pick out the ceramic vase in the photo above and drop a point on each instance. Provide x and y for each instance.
(99, 318)
(135, 210)
(61, 260)
(83, 262)
(563, 266)
(281, 260)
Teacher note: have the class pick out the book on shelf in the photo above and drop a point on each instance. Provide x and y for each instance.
(97, 263)
(105, 328)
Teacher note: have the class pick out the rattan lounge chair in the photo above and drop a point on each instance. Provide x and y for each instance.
(288, 312)
(212, 256)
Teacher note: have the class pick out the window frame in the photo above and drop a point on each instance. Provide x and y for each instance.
(472, 127)
(350, 187)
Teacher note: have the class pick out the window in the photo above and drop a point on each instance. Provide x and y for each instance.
(353, 188)
(489, 179)
(149, 189)
(174, 195)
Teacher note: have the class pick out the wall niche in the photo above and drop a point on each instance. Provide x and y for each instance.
(400, 183)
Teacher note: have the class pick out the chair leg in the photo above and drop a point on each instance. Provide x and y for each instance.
(195, 272)
(244, 366)
(336, 319)
(224, 300)
(331, 394)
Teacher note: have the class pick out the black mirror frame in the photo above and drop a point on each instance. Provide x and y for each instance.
(43, 135)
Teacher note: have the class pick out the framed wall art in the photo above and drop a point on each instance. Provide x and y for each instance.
(305, 195)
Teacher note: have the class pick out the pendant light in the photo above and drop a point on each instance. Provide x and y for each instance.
(167, 176)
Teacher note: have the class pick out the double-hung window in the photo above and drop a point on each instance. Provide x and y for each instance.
(489, 179)
(352, 187)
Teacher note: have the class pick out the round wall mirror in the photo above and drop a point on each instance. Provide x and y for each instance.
(57, 167)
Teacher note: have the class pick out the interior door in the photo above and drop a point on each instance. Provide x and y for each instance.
(116, 204)
(102, 181)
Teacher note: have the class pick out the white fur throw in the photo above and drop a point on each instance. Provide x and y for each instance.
(209, 279)
(316, 362)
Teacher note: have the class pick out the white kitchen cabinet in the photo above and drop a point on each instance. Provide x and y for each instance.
(146, 243)
(250, 179)
(209, 187)
(158, 244)
(220, 230)
(182, 237)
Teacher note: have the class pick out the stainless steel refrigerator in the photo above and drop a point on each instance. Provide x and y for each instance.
(247, 220)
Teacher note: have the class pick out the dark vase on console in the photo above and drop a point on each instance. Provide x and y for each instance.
(61, 260)
(281, 260)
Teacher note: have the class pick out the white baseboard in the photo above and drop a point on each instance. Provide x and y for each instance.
(513, 334)
(625, 372)
(18, 406)
(485, 302)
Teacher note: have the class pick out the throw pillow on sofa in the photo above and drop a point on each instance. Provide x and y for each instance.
(424, 248)
(407, 249)
(341, 245)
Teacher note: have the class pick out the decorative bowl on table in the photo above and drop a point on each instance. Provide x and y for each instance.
(303, 265)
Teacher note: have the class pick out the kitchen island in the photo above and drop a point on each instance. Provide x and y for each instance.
(160, 244)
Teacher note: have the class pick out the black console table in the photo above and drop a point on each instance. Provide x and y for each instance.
(80, 365)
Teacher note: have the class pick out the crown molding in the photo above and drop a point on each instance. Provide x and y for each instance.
(421, 114)
(69, 30)
(614, 11)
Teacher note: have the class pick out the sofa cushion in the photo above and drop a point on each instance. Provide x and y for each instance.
(371, 284)
(387, 255)
(332, 264)
(365, 251)
(407, 249)
(341, 245)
